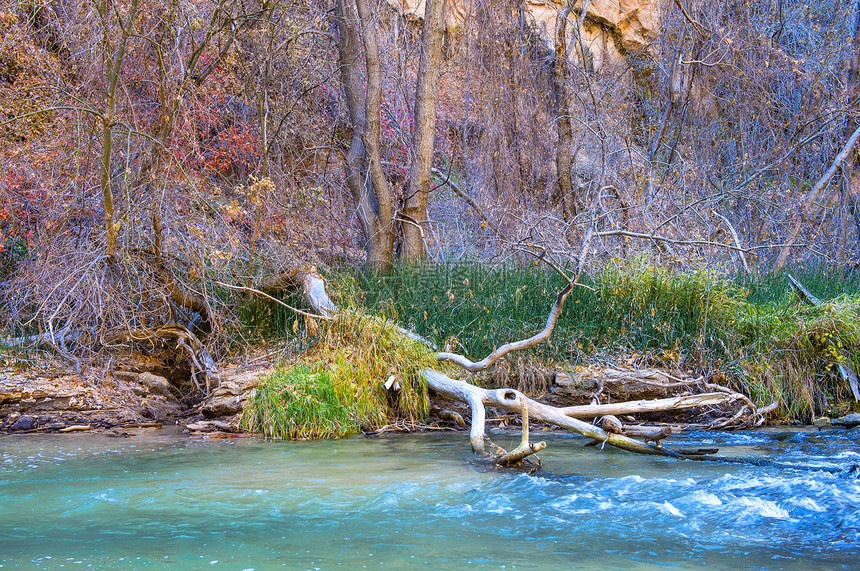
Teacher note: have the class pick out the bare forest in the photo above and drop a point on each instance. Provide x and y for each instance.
(161, 159)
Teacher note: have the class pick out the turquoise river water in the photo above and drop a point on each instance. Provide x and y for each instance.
(162, 500)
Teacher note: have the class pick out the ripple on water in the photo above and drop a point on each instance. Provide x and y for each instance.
(417, 499)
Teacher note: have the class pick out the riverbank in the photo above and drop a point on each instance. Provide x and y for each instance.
(635, 332)
(56, 401)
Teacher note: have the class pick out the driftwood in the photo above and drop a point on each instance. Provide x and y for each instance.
(510, 399)
(526, 448)
(540, 337)
(658, 405)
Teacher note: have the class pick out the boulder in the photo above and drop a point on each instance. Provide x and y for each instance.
(848, 421)
(155, 384)
(23, 423)
(223, 406)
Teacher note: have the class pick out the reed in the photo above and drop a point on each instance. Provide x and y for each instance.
(751, 331)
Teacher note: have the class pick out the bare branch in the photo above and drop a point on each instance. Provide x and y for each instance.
(276, 300)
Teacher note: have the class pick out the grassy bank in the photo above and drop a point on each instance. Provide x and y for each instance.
(338, 386)
(751, 330)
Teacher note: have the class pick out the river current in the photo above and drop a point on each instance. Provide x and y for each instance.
(162, 500)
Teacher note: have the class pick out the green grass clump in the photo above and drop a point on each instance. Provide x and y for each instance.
(300, 402)
(790, 352)
(336, 388)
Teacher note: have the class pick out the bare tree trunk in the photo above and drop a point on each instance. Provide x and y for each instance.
(415, 207)
(850, 187)
(364, 175)
(564, 185)
(108, 122)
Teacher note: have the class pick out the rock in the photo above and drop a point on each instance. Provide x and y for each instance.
(53, 426)
(612, 424)
(138, 389)
(848, 421)
(130, 376)
(155, 384)
(222, 406)
(200, 427)
(23, 423)
(567, 390)
(823, 421)
(224, 426)
(610, 26)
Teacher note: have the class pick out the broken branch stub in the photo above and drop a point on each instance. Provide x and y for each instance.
(526, 448)
(310, 283)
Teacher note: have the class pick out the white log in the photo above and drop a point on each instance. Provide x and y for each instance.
(656, 405)
(509, 399)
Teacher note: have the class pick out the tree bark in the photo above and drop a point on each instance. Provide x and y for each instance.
(365, 178)
(850, 187)
(564, 184)
(424, 130)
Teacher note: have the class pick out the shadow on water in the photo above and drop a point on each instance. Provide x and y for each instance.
(424, 501)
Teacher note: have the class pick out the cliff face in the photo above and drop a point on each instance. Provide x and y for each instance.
(609, 29)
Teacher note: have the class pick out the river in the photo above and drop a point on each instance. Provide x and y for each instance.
(160, 499)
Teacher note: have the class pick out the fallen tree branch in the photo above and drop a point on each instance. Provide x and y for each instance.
(804, 293)
(666, 240)
(656, 405)
(536, 339)
(469, 200)
(543, 334)
(812, 196)
(276, 300)
(526, 448)
(310, 283)
(510, 399)
(735, 238)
